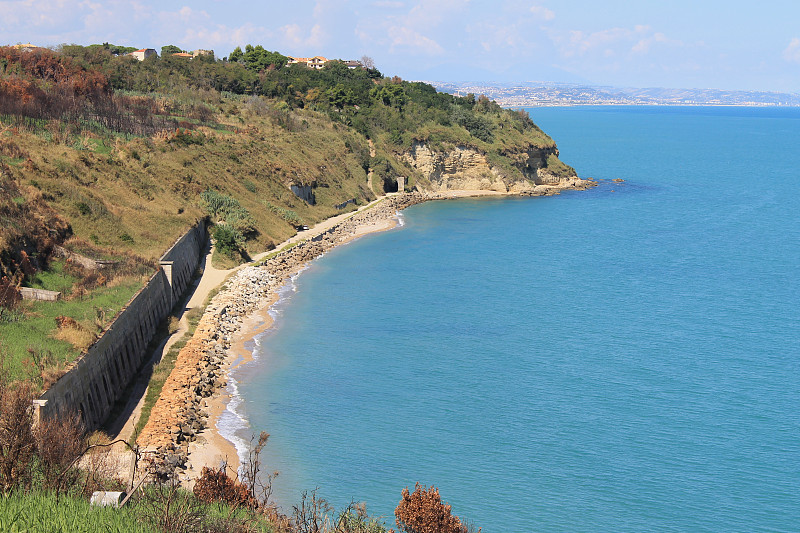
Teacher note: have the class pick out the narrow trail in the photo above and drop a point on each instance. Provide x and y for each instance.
(211, 278)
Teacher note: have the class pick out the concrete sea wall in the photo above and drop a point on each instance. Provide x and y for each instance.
(99, 377)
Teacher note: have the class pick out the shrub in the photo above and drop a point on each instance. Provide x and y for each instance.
(288, 215)
(228, 210)
(422, 511)
(172, 509)
(59, 442)
(228, 240)
(477, 125)
(217, 486)
(17, 445)
(185, 137)
(9, 298)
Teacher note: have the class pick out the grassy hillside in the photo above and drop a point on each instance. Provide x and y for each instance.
(114, 159)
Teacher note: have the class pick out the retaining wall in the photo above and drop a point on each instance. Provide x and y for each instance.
(100, 376)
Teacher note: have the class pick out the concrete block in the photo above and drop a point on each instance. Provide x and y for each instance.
(102, 498)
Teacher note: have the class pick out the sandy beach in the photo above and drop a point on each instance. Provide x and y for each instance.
(183, 425)
(211, 448)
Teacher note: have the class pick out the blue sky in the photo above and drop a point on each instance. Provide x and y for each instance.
(668, 43)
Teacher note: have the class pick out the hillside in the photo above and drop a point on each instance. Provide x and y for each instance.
(112, 158)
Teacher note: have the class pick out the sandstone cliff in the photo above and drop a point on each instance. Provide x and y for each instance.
(533, 170)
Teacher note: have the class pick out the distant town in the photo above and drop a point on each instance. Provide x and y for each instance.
(533, 94)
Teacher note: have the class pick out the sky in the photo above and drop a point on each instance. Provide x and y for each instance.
(728, 44)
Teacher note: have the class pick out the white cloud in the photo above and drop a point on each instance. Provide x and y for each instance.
(543, 13)
(413, 31)
(408, 38)
(613, 42)
(34, 20)
(792, 52)
(644, 45)
(295, 36)
(222, 36)
(580, 43)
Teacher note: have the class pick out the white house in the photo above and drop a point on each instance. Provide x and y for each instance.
(316, 62)
(144, 53)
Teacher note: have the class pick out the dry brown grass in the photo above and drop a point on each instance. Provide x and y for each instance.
(173, 325)
(52, 374)
(79, 336)
(125, 280)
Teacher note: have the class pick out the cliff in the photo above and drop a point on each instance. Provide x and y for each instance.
(531, 170)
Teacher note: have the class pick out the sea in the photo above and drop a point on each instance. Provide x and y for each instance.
(625, 358)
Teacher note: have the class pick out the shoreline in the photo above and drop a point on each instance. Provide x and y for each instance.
(216, 444)
(183, 432)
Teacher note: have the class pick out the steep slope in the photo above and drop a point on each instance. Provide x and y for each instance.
(119, 175)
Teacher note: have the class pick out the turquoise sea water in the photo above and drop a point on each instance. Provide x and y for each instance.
(621, 359)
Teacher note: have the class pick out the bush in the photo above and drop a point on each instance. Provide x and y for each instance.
(59, 442)
(227, 209)
(10, 296)
(217, 486)
(17, 445)
(422, 511)
(288, 215)
(228, 240)
(478, 126)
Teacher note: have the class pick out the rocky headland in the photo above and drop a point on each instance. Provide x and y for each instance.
(463, 167)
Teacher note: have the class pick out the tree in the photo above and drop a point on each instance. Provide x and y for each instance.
(367, 62)
(169, 50)
(340, 96)
(390, 94)
(236, 55)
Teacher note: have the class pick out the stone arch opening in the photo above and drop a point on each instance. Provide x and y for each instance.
(389, 185)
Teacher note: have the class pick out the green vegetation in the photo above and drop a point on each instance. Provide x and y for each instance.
(288, 215)
(170, 49)
(44, 512)
(233, 224)
(42, 336)
(114, 158)
(559, 168)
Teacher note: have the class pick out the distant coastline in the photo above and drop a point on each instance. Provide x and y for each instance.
(550, 94)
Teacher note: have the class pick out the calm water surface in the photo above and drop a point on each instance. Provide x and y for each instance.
(622, 359)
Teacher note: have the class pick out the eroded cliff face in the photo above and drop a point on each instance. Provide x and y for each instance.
(466, 168)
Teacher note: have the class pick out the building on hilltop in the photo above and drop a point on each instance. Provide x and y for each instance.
(144, 53)
(316, 62)
(27, 47)
(203, 53)
(183, 54)
(352, 63)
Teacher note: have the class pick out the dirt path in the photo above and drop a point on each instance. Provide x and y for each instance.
(123, 427)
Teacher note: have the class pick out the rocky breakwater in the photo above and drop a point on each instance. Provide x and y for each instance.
(180, 413)
(535, 171)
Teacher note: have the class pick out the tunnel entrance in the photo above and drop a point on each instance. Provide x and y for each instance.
(389, 185)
